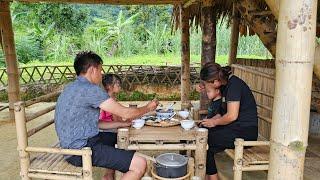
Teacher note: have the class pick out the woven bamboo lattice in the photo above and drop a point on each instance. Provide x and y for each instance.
(130, 74)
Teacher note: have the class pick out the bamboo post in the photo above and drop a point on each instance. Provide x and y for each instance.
(123, 143)
(9, 50)
(87, 164)
(291, 108)
(208, 51)
(22, 139)
(238, 155)
(191, 166)
(234, 35)
(201, 152)
(185, 58)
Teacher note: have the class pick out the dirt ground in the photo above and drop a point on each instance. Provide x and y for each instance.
(9, 166)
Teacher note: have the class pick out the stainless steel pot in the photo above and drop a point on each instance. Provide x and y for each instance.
(171, 165)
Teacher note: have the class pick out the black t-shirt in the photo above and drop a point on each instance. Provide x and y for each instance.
(237, 90)
(215, 107)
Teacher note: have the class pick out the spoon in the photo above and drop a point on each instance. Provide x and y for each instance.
(170, 106)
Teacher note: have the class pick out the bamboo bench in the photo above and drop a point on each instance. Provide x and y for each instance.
(46, 162)
(247, 155)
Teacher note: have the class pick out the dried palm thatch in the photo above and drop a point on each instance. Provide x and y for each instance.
(222, 11)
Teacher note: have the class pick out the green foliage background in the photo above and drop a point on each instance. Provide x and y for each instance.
(54, 33)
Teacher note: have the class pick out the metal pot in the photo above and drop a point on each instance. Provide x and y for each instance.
(171, 165)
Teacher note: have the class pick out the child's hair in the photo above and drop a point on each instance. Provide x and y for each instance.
(110, 80)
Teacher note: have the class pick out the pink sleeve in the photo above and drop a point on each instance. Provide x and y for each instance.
(105, 116)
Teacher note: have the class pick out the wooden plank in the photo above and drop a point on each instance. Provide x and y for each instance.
(174, 133)
(40, 127)
(41, 112)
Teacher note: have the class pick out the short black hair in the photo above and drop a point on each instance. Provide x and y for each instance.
(110, 79)
(84, 60)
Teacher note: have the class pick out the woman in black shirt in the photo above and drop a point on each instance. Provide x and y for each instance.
(240, 119)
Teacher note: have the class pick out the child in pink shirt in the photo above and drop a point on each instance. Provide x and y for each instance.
(108, 135)
(112, 84)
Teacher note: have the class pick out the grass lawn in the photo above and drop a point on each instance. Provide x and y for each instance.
(169, 59)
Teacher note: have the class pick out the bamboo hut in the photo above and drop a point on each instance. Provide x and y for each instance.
(288, 31)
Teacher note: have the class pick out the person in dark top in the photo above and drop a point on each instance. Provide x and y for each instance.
(238, 118)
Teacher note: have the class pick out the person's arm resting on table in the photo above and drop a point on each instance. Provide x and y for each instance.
(113, 124)
(229, 117)
(112, 106)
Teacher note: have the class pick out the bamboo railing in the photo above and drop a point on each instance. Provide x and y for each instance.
(130, 74)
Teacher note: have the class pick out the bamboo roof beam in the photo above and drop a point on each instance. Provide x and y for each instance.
(189, 3)
(114, 2)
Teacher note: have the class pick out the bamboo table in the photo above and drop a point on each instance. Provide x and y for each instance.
(168, 138)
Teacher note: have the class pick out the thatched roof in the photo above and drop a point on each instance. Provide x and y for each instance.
(222, 10)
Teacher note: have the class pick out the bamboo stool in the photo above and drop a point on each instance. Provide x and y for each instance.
(255, 158)
(47, 162)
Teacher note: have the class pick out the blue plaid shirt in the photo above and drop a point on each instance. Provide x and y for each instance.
(77, 113)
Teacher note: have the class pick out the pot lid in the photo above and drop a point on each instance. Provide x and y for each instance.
(172, 160)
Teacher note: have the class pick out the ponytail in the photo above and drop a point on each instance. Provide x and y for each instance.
(213, 71)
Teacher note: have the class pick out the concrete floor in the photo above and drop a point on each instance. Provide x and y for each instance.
(9, 166)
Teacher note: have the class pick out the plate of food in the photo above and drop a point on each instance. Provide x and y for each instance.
(161, 121)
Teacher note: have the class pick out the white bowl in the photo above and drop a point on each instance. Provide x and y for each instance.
(164, 114)
(183, 114)
(138, 123)
(187, 124)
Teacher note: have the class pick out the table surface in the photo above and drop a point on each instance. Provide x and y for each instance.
(173, 133)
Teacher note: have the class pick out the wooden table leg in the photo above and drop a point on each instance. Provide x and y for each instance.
(201, 152)
(123, 143)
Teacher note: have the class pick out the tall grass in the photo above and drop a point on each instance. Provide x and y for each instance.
(153, 43)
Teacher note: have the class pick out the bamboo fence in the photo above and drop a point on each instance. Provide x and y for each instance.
(130, 74)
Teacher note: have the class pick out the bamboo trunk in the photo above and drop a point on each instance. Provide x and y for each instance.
(87, 164)
(22, 139)
(201, 152)
(291, 109)
(238, 159)
(9, 50)
(234, 35)
(208, 51)
(123, 143)
(185, 59)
